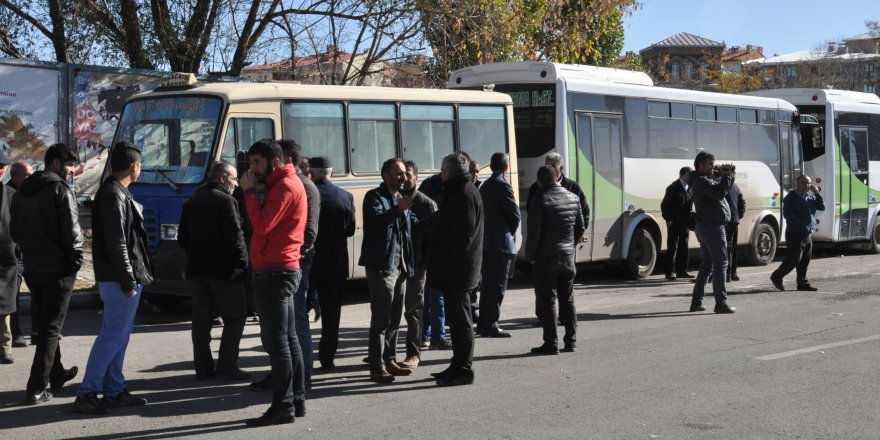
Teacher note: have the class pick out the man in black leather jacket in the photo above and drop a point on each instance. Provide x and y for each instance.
(45, 225)
(122, 268)
(555, 225)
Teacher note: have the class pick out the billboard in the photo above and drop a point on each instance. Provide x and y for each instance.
(28, 111)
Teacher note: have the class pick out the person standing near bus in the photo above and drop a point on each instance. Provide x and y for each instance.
(45, 224)
(217, 263)
(737, 204)
(499, 245)
(799, 209)
(279, 222)
(677, 207)
(455, 262)
(122, 268)
(18, 172)
(713, 214)
(414, 299)
(336, 223)
(9, 260)
(434, 311)
(387, 256)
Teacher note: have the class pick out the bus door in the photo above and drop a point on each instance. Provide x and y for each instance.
(600, 175)
(791, 167)
(853, 184)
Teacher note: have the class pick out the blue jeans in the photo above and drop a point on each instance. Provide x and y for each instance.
(435, 312)
(104, 369)
(273, 293)
(713, 252)
(303, 331)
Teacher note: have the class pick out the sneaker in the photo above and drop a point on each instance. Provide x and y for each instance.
(122, 399)
(89, 404)
(19, 342)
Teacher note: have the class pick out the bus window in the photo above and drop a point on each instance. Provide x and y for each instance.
(726, 114)
(482, 131)
(241, 133)
(319, 128)
(427, 134)
(705, 112)
(373, 136)
(682, 111)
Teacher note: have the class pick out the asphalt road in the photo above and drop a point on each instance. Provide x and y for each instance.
(787, 365)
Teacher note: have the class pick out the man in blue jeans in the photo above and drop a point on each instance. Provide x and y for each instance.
(279, 220)
(122, 268)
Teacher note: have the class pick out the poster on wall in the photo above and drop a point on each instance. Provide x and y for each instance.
(98, 98)
(28, 112)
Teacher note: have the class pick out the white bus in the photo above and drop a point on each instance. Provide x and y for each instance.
(625, 140)
(844, 161)
(182, 129)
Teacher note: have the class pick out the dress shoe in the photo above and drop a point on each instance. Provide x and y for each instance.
(724, 308)
(232, 374)
(670, 277)
(696, 307)
(734, 277)
(411, 362)
(449, 372)
(684, 275)
(498, 333)
(34, 398)
(264, 384)
(271, 418)
(568, 348)
(328, 365)
(299, 408)
(456, 380)
(19, 342)
(381, 376)
(6, 358)
(68, 374)
(807, 288)
(777, 283)
(396, 370)
(546, 349)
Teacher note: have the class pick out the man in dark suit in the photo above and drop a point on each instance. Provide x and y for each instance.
(737, 204)
(330, 267)
(676, 209)
(499, 247)
(456, 258)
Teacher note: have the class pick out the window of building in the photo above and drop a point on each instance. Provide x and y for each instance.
(689, 70)
(791, 71)
(870, 88)
(869, 70)
(675, 71)
(704, 68)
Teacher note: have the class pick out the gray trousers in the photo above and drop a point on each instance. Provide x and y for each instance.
(386, 308)
(713, 251)
(414, 302)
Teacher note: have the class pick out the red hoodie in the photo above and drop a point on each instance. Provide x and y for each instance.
(279, 224)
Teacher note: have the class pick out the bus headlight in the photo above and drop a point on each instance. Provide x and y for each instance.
(168, 232)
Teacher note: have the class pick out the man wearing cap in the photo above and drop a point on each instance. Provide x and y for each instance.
(330, 267)
(9, 281)
(45, 224)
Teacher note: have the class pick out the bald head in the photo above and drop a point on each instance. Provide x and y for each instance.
(19, 171)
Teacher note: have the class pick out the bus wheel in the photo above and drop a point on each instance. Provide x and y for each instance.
(875, 238)
(642, 255)
(762, 247)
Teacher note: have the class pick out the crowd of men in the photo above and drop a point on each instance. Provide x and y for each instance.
(273, 231)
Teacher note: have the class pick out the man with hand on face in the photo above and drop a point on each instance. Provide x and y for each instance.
(211, 233)
(279, 222)
(799, 209)
(387, 256)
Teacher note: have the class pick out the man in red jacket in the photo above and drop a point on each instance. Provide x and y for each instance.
(276, 204)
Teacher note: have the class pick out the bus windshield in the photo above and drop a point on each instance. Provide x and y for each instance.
(175, 136)
(534, 113)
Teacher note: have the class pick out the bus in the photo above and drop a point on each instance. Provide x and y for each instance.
(181, 128)
(844, 161)
(624, 140)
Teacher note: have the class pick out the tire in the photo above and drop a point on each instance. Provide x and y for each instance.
(762, 246)
(642, 255)
(875, 238)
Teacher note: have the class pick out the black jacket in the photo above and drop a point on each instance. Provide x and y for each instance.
(335, 224)
(677, 205)
(45, 224)
(573, 188)
(737, 204)
(423, 208)
(119, 241)
(709, 198)
(386, 229)
(502, 215)
(8, 255)
(555, 223)
(457, 237)
(211, 233)
(313, 200)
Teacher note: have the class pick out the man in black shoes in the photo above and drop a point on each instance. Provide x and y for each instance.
(455, 262)
(799, 209)
(211, 233)
(45, 224)
(556, 226)
(713, 215)
(677, 207)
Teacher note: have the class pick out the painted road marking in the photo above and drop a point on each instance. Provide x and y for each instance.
(771, 357)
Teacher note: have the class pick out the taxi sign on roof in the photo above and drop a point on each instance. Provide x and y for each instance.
(178, 79)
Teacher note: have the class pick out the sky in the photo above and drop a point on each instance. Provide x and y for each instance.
(779, 26)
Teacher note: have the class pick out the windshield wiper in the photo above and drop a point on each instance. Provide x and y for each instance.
(162, 172)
